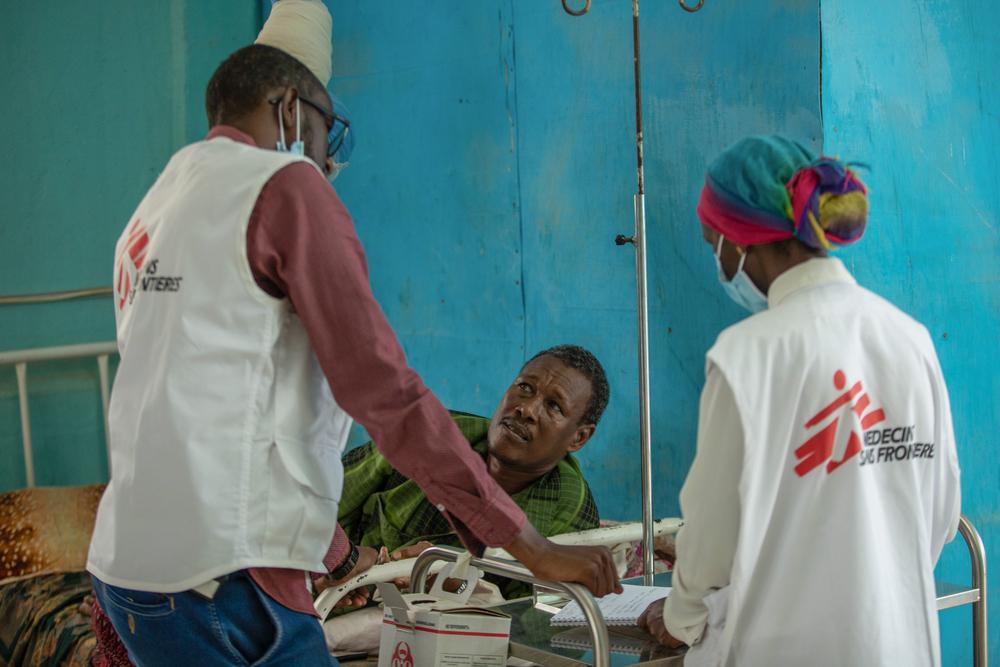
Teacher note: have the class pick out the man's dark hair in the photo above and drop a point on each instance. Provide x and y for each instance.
(244, 78)
(582, 360)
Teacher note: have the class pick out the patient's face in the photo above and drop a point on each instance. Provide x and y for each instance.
(538, 420)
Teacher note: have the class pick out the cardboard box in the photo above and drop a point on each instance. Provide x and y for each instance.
(439, 628)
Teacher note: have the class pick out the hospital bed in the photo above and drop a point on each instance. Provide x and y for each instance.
(531, 637)
(522, 645)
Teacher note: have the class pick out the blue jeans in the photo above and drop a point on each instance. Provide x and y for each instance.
(241, 625)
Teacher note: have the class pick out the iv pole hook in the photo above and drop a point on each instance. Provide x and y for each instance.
(691, 9)
(581, 12)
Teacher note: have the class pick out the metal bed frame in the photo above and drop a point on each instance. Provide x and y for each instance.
(20, 360)
(948, 596)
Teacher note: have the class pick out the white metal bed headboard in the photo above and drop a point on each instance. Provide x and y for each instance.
(20, 360)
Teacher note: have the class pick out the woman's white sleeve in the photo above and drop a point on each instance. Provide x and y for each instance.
(710, 506)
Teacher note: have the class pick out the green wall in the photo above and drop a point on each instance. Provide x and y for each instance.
(98, 96)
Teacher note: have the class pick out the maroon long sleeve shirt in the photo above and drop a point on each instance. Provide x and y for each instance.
(302, 245)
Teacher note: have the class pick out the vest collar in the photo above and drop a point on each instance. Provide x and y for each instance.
(812, 273)
(230, 132)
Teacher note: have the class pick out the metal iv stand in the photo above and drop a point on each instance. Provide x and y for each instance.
(638, 240)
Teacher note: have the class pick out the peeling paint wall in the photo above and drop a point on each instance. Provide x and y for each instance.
(496, 163)
(912, 89)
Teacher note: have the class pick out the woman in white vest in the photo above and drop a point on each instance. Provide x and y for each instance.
(825, 481)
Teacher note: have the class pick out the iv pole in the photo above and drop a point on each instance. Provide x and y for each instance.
(638, 240)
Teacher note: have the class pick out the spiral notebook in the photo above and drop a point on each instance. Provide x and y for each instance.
(630, 641)
(618, 608)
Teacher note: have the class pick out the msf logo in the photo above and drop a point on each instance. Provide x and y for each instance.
(129, 261)
(402, 656)
(818, 449)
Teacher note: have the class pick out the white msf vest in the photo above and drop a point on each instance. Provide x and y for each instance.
(225, 438)
(850, 483)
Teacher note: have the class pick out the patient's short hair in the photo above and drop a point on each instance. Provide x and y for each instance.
(582, 360)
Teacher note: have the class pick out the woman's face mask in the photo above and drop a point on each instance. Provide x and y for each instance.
(740, 289)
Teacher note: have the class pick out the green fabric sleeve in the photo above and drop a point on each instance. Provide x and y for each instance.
(365, 473)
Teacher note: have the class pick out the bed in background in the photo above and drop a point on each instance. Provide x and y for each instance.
(44, 535)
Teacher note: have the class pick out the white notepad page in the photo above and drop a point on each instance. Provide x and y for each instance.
(618, 608)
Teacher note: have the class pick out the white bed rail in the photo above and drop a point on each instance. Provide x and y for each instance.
(20, 360)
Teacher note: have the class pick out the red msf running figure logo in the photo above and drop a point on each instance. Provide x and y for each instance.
(129, 261)
(818, 449)
(402, 656)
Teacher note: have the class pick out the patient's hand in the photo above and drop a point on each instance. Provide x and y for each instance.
(665, 548)
(651, 621)
(412, 551)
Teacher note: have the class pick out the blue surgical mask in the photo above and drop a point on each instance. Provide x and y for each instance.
(740, 289)
(297, 147)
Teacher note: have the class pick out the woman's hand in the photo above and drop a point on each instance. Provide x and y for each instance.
(651, 621)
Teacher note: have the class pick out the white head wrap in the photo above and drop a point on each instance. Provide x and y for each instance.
(302, 29)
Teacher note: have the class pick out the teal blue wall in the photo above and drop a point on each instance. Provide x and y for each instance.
(913, 90)
(495, 165)
(98, 96)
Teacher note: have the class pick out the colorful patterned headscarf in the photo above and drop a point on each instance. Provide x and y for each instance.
(767, 189)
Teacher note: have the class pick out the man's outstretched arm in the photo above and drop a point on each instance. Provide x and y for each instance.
(306, 248)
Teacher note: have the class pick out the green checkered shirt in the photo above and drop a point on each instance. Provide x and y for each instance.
(379, 506)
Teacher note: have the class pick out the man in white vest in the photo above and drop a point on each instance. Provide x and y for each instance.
(826, 480)
(249, 338)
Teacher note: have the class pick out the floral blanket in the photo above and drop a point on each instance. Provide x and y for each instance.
(41, 624)
(44, 536)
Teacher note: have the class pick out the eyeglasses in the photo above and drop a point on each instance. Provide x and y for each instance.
(337, 127)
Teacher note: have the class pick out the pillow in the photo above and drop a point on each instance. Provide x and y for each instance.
(46, 530)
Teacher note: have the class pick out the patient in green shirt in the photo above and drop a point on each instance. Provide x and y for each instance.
(550, 410)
